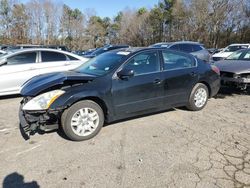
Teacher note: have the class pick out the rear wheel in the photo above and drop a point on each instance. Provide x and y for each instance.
(82, 120)
(198, 98)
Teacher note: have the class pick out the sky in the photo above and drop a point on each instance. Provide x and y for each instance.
(108, 8)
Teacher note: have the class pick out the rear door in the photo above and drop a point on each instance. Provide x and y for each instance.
(179, 76)
(56, 62)
(18, 69)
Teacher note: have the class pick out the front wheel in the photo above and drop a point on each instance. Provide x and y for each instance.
(82, 120)
(198, 98)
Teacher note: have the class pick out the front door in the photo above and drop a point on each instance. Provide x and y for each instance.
(144, 90)
(16, 71)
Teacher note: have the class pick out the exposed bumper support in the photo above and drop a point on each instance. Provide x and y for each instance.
(37, 122)
(236, 80)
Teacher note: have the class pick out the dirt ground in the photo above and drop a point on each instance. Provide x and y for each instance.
(177, 148)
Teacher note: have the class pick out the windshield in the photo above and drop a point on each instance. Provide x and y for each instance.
(240, 55)
(235, 48)
(103, 63)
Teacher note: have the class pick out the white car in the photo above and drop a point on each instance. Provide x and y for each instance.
(229, 50)
(18, 66)
(2, 52)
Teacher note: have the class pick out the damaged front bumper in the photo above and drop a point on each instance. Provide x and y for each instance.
(239, 82)
(32, 122)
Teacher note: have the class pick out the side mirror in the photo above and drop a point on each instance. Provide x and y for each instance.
(125, 74)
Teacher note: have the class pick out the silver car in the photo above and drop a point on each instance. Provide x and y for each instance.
(194, 48)
(235, 69)
(18, 66)
(2, 52)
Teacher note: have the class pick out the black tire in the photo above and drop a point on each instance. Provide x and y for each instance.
(69, 113)
(191, 103)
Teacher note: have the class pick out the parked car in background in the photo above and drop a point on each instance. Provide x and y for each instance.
(23, 46)
(58, 47)
(18, 66)
(228, 51)
(235, 69)
(105, 49)
(2, 52)
(3, 47)
(214, 50)
(193, 48)
(89, 51)
(116, 85)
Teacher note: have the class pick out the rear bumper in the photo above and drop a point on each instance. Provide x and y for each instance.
(37, 121)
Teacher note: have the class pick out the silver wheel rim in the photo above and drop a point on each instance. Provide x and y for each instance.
(200, 97)
(85, 121)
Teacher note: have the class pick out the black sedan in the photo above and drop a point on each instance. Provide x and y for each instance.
(113, 86)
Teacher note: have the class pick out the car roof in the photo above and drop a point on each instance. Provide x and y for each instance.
(237, 44)
(186, 42)
(11, 52)
(178, 42)
(138, 49)
(36, 49)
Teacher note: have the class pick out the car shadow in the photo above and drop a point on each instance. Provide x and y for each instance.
(16, 180)
(138, 117)
(229, 91)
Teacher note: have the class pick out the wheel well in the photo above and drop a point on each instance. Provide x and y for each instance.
(100, 102)
(208, 86)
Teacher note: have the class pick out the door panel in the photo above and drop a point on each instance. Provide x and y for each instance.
(17, 70)
(179, 76)
(138, 93)
(144, 90)
(55, 62)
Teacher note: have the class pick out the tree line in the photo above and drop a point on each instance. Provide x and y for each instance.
(215, 23)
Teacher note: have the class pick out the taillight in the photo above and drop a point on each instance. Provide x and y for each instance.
(215, 69)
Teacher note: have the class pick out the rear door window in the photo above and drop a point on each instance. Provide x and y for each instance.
(23, 58)
(174, 61)
(52, 56)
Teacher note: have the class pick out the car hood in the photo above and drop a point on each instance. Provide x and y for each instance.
(43, 82)
(222, 54)
(234, 66)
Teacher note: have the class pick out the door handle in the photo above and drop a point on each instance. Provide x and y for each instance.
(157, 81)
(32, 68)
(193, 74)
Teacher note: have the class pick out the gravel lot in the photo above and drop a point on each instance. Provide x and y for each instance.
(177, 148)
